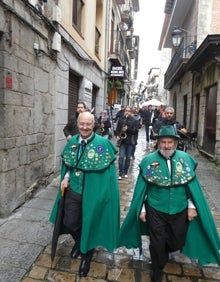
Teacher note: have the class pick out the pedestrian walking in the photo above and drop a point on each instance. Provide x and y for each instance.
(126, 132)
(104, 125)
(147, 117)
(91, 209)
(137, 117)
(71, 128)
(168, 205)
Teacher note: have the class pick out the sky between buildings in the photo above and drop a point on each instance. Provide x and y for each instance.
(148, 25)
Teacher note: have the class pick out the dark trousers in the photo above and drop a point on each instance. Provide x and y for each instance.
(167, 234)
(124, 159)
(73, 218)
(147, 130)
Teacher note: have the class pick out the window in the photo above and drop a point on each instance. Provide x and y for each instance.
(97, 41)
(77, 13)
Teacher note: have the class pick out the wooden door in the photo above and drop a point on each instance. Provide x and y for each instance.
(209, 138)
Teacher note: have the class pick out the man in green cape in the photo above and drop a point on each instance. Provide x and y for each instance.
(168, 205)
(92, 204)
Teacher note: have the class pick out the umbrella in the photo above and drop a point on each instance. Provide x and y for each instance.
(58, 225)
(153, 102)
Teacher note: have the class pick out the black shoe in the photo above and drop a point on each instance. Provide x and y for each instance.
(84, 267)
(75, 251)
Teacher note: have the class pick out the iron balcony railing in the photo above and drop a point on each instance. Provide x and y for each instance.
(182, 55)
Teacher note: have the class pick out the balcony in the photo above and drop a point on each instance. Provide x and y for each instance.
(177, 65)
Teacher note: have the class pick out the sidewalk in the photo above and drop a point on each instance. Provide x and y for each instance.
(25, 239)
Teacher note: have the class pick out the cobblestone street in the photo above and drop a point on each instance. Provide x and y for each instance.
(124, 265)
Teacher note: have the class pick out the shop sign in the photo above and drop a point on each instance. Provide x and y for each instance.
(117, 71)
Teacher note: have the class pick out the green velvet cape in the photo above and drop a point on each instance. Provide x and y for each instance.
(101, 201)
(202, 242)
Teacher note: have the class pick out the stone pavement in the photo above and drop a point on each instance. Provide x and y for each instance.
(25, 239)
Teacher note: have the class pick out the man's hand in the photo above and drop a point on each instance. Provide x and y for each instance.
(192, 213)
(65, 183)
(142, 216)
(68, 137)
(183, 131)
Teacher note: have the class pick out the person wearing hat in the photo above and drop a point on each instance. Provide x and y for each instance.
(169, 119)
(169, 205)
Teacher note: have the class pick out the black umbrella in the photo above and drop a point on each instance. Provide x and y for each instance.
(58, 225)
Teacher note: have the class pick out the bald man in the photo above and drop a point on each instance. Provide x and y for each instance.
(92, 209)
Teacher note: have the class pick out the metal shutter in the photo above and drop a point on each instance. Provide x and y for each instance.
(73, 94)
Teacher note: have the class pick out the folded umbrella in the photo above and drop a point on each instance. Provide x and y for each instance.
(58, 225)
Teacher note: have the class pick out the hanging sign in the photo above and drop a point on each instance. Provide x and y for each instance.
(117, 71)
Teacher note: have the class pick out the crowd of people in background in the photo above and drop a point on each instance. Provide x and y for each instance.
(124, 127)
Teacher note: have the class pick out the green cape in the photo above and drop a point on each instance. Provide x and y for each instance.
(202, 240)
(101, 202)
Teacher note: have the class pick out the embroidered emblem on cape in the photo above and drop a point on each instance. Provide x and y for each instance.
(91, 154)
(157, 173)
(99, 149)
(148, 171)
(155, 164)
(95, 156)
(179, 168)
(74, 146)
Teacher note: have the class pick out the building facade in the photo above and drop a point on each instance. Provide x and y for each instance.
(52, 55)
(192, 76)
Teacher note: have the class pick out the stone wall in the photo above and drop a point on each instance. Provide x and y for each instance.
(34, 100)
(27, 107)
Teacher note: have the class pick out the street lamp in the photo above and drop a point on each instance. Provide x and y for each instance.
(181, 40)
(177, 36)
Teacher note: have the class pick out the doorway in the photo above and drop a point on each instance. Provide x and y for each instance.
(209, 138)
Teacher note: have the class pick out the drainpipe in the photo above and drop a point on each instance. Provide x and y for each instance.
(192, 104)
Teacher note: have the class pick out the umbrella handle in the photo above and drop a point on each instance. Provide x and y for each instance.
(63, 188)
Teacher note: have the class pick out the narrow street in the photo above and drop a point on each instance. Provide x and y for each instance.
(25, 239)
(128, 265)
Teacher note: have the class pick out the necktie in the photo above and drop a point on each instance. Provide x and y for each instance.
(83, 145)
(81, 148)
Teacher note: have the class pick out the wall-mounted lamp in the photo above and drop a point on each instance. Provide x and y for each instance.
(177, 36)
(185, 44)
(181, 39)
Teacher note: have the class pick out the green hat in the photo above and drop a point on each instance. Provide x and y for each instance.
(167, 131)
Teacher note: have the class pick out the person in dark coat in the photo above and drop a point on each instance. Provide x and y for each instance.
(137, 117)
(169, 119)
(120, 114)
(71, 127)
(104, 124)
(147, 118)
(126, 132)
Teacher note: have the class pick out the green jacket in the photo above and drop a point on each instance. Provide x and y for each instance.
(202, 240)
(100, 191)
